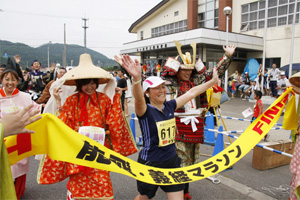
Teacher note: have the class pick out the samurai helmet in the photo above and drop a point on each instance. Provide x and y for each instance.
(186, 58)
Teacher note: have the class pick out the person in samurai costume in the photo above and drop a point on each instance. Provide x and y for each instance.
(89, 108)
(181, 74)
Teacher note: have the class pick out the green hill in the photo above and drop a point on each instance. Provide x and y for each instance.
(29, 54)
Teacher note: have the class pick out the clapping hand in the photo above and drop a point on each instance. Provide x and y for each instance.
(119, 59)
(52, 67)
(132, 67)
(14, 123)
(215, 77)
(56, 94)
(229, 49)
(17, 59)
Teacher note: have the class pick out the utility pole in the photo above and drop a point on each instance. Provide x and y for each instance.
(85, 27)
(48, 55)
(227, 11)
(264, 50)
(292, 41)
(65, 48)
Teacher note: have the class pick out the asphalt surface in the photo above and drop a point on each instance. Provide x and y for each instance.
(240, 182)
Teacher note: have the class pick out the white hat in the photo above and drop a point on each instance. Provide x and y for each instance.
(152, 82)
(282, 73)
(57, 65)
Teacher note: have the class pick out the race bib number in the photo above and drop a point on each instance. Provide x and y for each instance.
(10, 109)
(166, 132)
(95, 133)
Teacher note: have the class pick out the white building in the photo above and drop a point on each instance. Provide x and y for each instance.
(203, 21)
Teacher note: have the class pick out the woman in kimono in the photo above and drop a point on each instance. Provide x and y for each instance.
(89, 109)
(295, 162)
(11, 99)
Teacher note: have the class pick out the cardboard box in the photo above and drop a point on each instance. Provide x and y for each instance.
(264, 159)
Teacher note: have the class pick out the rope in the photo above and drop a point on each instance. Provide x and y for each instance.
(258, 145)
(238, 131)
(240, 119)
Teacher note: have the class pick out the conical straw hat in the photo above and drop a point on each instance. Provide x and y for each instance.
(295, 80)
(86, 70)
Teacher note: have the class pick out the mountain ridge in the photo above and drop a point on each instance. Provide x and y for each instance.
(29, 54)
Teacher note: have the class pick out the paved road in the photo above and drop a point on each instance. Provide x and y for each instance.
(241, 182)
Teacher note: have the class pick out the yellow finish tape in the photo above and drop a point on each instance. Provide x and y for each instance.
(60, 142)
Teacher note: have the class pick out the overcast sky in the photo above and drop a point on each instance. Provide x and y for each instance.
(36, 22)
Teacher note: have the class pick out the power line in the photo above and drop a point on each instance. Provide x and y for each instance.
(35, 14)
(60, 16)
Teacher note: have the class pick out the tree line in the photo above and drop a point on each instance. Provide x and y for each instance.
(29, 54)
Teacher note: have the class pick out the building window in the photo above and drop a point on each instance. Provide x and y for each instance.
(176, 13)
(208, 14)
(280, 13)
(169, 28)
(142, 35)
(270, 61)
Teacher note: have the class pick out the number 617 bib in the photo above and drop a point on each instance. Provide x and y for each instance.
(166, 132)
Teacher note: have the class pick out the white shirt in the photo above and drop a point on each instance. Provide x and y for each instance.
(256, 87)
(283, 83)
(274, 74)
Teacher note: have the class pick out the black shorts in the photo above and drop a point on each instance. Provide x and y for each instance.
(149, 189)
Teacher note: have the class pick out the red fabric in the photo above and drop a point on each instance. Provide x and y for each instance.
(168, 71)
(185, 132)
(187, 196)
(84, 118)
(233, 86)
(3, 94)
(20, 183)
(217, 88)
(144, 67)
(256, 108)
(97, 183)
(83, 107)
(184, 86)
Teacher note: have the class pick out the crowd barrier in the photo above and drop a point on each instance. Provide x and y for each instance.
(209, 134)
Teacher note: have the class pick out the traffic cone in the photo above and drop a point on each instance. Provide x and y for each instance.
(209, 135)
(219, 143)
(132, 125)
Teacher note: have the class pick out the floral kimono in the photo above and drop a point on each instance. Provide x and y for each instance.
(95, 110)
(295, 167)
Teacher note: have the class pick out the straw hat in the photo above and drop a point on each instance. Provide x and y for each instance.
(295, 80)
(86, 70)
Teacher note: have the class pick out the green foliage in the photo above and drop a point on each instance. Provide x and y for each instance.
(29, 54)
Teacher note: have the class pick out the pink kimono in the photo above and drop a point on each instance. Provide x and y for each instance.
(17, 100)
(295, 168)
